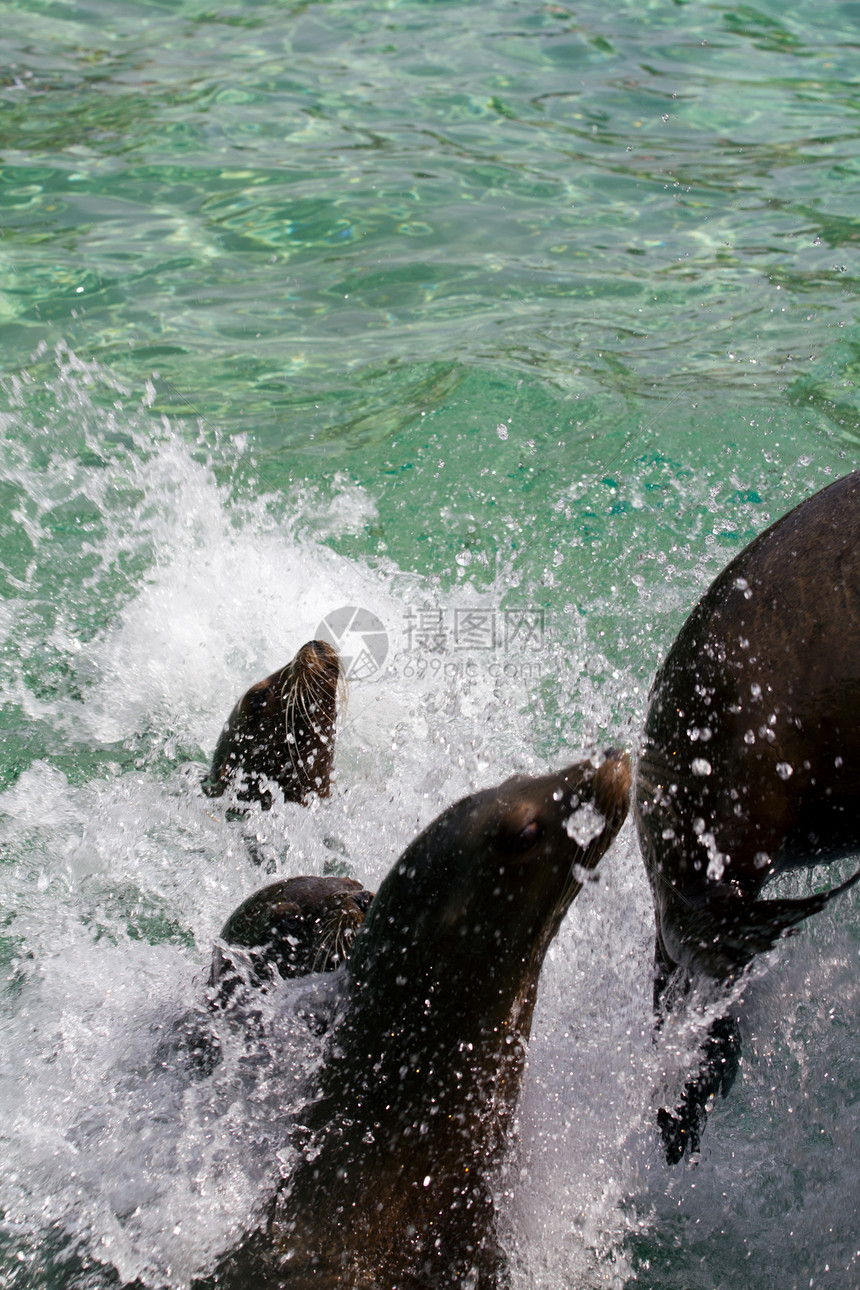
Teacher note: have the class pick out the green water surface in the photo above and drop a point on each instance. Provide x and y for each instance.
(362, 236)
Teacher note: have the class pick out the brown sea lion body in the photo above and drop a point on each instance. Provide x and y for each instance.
(281, 732)
(415, 1096)
(751, 757)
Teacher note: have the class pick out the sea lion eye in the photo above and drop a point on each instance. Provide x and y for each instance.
(527, 836)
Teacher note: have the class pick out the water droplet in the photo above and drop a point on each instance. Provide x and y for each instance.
(585, 824)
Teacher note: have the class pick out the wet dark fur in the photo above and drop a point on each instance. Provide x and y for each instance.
(409, 1120)
(751, 758)
(281, 732)
(288, 929)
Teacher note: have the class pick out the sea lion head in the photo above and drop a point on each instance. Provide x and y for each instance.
(282, 732)
(288, 928)
(483, 890)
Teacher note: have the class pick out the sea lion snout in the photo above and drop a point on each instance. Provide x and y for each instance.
(317, 658)
(606, 788)
(533, 810)
(612, 785)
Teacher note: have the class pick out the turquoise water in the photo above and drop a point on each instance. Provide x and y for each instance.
(510, 323)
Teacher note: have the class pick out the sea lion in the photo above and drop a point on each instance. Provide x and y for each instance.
(415, 1096)
(281, 732)
(750, 763)
(289, 928)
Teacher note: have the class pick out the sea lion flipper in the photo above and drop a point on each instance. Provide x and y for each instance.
(729, 932)
(719, 1061)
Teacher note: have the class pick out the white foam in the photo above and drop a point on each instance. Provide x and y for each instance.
(118, 874)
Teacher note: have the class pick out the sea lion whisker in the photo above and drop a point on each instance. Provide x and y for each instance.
(321, 958)
(569, 892)
(286, 683)
(308, 710)
(323, 954)
(333, 942)
(311, 708)
(342, 690)
(273, 728)
(290, 738)
(346, 930)
(345, 922)
(306, 706)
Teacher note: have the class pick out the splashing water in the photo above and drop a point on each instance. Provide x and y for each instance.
(150, 592)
